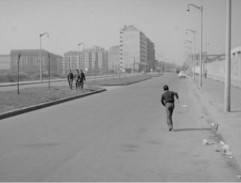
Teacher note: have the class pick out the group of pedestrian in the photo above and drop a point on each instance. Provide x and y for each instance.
(79, 78)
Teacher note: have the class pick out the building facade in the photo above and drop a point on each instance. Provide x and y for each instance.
(151, 56)
(96, 59)
(72, 60)
(90, 60)
(114, 59)
(137, 52)
(5, 62)
(29, 61)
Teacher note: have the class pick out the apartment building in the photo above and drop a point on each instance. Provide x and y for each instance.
(151, 56)
(72, 60)
(137, 51)
(90, 60)
(114, 59)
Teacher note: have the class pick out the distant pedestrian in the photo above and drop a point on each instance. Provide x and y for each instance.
(70, 78)
(82, 79)
(205, 73)
(168, 101)
(77, 78)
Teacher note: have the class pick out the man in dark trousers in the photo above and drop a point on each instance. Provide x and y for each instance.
(77, 77)
(168, 101)
(70, 79)
(82, 79)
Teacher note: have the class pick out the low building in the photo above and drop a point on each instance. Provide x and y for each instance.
(5, 62)
(29, 61)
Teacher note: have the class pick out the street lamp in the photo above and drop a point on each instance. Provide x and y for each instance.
(40, 36)
(227, 88)
(189, 48)
(19, 56)
(194, 50)
(188, 41)
(201, 10)
(49, 69)
(206, 59)
(78, 55)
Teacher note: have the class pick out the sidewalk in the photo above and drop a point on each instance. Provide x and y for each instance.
(234, 83)
(212, 100)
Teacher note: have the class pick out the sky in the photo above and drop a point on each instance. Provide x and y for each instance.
(98, 22)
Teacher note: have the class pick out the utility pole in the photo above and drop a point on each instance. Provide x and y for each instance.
(201, 49)
(49, 69)
(19, 56)
(194, 51)
(40, 51)
(227, 91)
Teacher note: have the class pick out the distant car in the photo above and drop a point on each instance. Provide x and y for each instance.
(182, 74)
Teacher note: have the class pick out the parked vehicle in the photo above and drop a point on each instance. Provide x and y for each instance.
(182, 74)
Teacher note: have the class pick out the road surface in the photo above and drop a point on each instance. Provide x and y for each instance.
(119, 135)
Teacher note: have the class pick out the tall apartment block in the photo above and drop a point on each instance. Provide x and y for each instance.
(137, 52)
(96, 59)
(114, 59)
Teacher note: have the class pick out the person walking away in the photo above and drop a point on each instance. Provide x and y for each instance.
(70, 79)
(168, 102)
(77, 77)
(82, 79)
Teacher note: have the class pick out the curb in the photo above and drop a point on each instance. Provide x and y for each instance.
(126, 84)
(46, 104)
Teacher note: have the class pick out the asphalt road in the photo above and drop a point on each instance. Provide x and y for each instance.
(119, 135)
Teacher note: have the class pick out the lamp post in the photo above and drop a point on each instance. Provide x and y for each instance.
(189, 49)
(40, 52)
(78, 55)
(194, 50)
(49, 69)
(187, 41)
(201, 10)
(19, 56)
(227, 90)
(206, 59)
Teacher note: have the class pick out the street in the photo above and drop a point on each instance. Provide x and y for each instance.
(119, 135)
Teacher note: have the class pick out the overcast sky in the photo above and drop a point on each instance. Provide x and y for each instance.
(98, 22)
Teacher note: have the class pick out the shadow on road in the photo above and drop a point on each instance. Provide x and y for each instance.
(191, 129)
